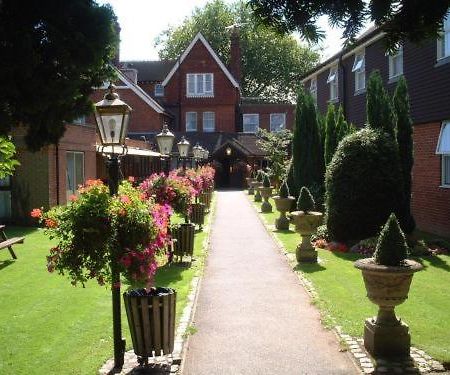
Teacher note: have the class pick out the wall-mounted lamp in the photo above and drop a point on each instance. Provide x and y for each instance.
(228, 151)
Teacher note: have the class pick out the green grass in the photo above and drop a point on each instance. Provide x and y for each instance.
(342, 296)
(47, 326)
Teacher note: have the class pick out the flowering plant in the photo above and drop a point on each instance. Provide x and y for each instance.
(96, 231)
(207, 175)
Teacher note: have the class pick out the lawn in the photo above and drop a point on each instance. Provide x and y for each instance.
(47, 326)
(342, 296)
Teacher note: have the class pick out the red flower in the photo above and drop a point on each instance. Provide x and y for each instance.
(131, 179)
(36, 213)
(125, 199)
(50, 223)
(73, 198)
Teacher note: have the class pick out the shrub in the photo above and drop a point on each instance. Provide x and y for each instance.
(266, 180)
(391, 249)
(321, 234)
(305, 200)
(363, 185)
(284, 190)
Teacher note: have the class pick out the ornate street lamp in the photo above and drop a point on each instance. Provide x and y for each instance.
(165, 143)
(112, 116)
(183, 149)
(197, 151)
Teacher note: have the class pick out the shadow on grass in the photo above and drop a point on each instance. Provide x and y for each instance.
(171, 272)
(6, 263)
(20, 231)
(351, 257)
(434, 261)
(309, 267)
(284, 231)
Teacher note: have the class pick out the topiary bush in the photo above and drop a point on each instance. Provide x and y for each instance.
(266, 181)
(305, 200)
(391, 249)
(259, 176)
(284, 190)
(363, 185)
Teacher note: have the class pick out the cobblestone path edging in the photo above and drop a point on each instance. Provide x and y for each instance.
(170, 364)
(419, 363)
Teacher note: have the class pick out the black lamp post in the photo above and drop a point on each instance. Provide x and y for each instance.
(112, 116)
(183, 149)
(165, 143)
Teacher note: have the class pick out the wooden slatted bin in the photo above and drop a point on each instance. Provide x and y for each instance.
(198, 214)
(205, 198)
(151, 318)
(184, 236)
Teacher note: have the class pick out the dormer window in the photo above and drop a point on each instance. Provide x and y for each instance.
(359, 68)
(396, 63)
(200, 85)
(443, 43)
(333, 82)
(159, 90)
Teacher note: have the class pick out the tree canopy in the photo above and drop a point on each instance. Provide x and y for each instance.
(272, 64)
(52, 54)
(413, 20)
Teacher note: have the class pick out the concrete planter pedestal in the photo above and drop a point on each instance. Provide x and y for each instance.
(305, 225)
(251, 189)
(257, 197)
(266, 193)
(283, 205)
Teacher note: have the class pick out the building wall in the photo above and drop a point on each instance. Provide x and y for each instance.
(264, 111)
(224, 116)
(430, 202)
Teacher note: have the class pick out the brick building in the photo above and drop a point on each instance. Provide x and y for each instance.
(342, 80)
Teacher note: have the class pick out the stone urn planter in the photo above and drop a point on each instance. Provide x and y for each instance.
(283, 205)
(183, 236)
(251, 189)
(257, 197)
(266, 193)
(151, 319)
(197, 215)
(306, 224)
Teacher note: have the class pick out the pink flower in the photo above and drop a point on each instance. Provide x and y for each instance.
(36, 213)
(125, 199)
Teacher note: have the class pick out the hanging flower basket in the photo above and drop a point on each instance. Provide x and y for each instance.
(151, 318)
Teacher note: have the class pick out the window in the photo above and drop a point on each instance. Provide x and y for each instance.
(159, 90)
(443, 149)
(250, 122)
(443, 43)
(201, 84)
(359, 68)
(81, 120)
(313, 88)
(277, 122)
(74, 172)
(191, 121)
(209, 122)
(333, 82)
(396, 63)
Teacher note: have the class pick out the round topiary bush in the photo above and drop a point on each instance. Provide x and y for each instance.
(363, 185)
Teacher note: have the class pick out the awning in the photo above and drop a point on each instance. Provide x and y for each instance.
(130, 151)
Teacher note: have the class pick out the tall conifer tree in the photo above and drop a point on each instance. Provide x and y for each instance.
(330, 134)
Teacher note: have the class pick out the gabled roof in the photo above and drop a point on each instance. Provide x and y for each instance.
(139, 92)
(201, 38)
(150, 71)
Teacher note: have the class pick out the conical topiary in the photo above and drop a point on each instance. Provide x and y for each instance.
(305, 200)
(284, 190)
(391, 249)
(266, 180)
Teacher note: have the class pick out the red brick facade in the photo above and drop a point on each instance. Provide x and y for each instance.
(265, 110)
(430, 201)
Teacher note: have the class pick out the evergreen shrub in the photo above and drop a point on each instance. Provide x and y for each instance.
(284, 190)
(391, 249)
(305, 200)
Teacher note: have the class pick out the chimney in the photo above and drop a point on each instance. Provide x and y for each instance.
(235, 54)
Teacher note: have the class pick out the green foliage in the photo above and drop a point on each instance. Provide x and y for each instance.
(307, 159)
(342, 127)
(330, 134)
(405, 147)
(272, 64)
(266, 180)
(7, 162)
(53, 54)
(284, 190)
(379, 108)
(275, 146)
(259, 175)
(305, 201)
(391, 249)
(413, 20)
(363, 185)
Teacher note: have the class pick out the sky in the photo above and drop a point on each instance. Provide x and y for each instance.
(142, 21)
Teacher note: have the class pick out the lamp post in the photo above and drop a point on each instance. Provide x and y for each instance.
(112, 116)
(197, 151)
(165, 143)
(183, 149)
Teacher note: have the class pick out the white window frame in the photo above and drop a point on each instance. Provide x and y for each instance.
(333, 81)
(212, 128)
(159, 90)
(188, 128)
(443, 149)
(313, 88)
(443, 43)
(248, 115)
(80, 120)
(398, 56)
(279, 128)
(196, 85)
(359, 68)
(76, 183)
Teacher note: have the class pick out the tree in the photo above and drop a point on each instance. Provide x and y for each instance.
(272, 64)
(379, 107)
(330, 134)
(307, 164)
(52, 54)
(7, 162)
(413, 20)
(405, 146)
(275, 145)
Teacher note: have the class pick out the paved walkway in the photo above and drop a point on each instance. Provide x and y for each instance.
(253, 317)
